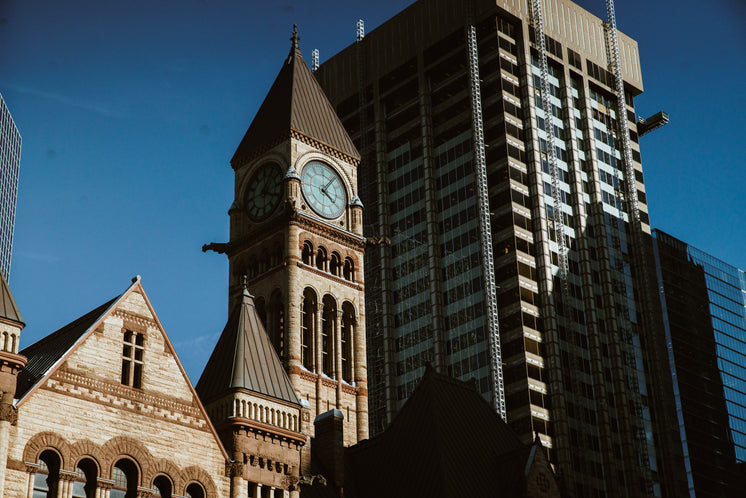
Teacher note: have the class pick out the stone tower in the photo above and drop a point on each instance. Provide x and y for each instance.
(296, 234)
(11, 363)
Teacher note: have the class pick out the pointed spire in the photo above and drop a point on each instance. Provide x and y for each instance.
(8, 307)
(244, 358)
(296, 103)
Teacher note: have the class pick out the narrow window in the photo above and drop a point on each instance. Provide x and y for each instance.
(347, 322)
(307, 254)
(308, 313)
(125, 479)
(194, 490)
(328, 319)
(47, 476)
(85, 483)
(132, 352)
(162, 487)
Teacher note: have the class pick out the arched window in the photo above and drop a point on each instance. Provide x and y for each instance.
(125, 480)
(47, 477)
(349, 270)
(321, 259)
(335, 265)
(307, 254)
(85, 484)
(276, 323)
(348, 322)
(308, 326)
(266, 262)
(328, 326)
(194, 490)
(253, 267)
(162, 486)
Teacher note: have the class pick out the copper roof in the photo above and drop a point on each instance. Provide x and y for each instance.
(244, 358)
(295, 102)
(8, 307)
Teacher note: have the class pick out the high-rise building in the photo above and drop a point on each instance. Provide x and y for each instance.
(10, 162)
(506, 216)
(703, 302)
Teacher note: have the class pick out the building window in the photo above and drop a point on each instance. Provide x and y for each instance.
(85, 484)
(162, 487)
(349, 270)
(335, 264)
(194, 490)
(47, 477)
(307, 254)
(321, 259)
(328, 324)
(125, 479)
(348, 317)
(308, 318)
(132, 352)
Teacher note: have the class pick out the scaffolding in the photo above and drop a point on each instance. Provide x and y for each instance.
(551, 153)
(485, 228)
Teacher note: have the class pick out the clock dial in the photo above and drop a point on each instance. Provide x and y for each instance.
(323, 189)
(263, 192)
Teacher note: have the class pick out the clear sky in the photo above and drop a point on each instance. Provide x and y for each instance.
(130, 111)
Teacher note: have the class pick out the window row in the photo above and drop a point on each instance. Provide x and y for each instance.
(322, 260)
(327, 336)
(123, 482)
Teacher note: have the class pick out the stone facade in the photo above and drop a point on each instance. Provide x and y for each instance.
(82, 415)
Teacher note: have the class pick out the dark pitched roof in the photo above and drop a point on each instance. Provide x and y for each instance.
(295, 102)
(244, 358)
(446, 441)
(8, 307)
(45, 353)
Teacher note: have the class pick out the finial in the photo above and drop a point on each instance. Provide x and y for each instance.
(295, 38)
(245, 286)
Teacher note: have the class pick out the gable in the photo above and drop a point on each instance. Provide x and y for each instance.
(119, 371)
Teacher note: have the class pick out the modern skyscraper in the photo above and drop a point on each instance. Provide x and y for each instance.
(506, 217)
(10, 162)
(703, 302)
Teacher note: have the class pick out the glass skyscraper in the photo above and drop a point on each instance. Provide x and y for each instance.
(505, 220)
(10, 161)
(703, 302)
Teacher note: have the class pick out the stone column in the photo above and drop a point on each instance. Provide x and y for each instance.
(65, 487)
(31, 472)
(103, 488)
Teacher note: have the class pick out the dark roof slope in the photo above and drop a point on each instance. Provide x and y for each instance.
(8, 307)
(43, 354)
(295, 101)
(446, 441)
(244, 358)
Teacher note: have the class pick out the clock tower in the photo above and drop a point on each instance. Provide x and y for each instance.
(296, 234)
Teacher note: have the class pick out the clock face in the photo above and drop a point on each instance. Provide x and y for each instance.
(323, 189)
(264, 191)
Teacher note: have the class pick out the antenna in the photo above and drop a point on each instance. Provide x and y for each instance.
(315, 59)
(360, 29)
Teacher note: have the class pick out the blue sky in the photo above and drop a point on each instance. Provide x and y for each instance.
(131, 110)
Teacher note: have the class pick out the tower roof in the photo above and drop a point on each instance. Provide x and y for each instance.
(8, 307)
(295, 102)
(244, 358)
